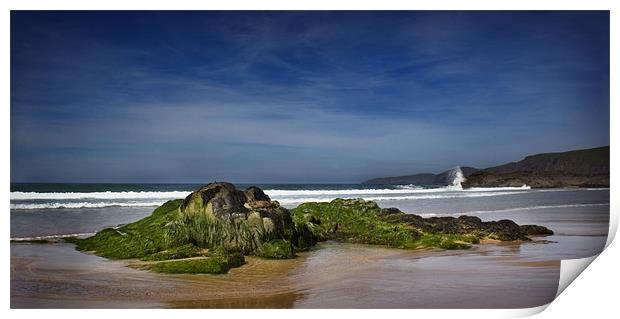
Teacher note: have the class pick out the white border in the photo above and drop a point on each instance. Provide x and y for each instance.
(569, 305)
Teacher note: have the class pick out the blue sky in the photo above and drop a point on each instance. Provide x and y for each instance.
(303, 97)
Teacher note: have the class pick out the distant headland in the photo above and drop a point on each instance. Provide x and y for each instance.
(578, 168)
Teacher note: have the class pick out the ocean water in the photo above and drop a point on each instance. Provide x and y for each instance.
(39, 210)
(331, 276)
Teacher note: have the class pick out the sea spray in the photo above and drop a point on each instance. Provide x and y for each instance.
(456, 178)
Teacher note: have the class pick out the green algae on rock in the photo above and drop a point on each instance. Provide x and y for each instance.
(180, 252)
(360, 221)
(213, 228)
(277, 249)
(218, 215)
(136, 240)
(355, 221)
(200, 265)
(215, 223)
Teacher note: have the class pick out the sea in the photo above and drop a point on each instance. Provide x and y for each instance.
(355, 276)
(59, 210)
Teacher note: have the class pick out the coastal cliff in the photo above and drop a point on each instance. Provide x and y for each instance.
(580, 168)
(216, 226)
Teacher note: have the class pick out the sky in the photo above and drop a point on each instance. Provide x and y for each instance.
(299, 97)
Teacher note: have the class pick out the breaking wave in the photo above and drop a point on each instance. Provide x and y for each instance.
(372, 191)
(51, 237)
(456, 177)
(286, 201)
(74, 200)
(98, 195)
(84, 205)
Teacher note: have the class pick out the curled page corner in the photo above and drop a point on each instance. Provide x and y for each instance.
(570, 269)
(528, 312)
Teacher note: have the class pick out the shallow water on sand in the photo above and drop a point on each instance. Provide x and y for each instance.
(332, 276)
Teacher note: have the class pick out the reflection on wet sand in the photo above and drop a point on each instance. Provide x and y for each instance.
(283, 300)
(331, 276)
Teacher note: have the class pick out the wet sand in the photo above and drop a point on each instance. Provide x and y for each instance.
(333, 275)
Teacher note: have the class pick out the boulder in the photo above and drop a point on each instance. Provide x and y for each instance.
(240, 220)
(220, 200)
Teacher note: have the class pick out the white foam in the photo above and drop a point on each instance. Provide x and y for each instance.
(99, 195)
(285, 198)
(51, 237)
(373, 191)
(315, 192)
(84, 205)
(410, 186)
(457, 177)
(34, 200)
(493, 189)
(401, 189)
(293, 200)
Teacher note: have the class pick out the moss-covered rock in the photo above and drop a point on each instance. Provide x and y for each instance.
(277, 249)
(212, 229)
(201, 265)
(217, 217)
(355, 221)
(219, 200)
(185, 251)
(136, 240)
(360, 221)
(449, 242)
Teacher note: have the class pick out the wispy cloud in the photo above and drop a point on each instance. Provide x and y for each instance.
(299, 96)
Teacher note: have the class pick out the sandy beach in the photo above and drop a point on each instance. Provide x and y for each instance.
(331, 276)
(492, 274)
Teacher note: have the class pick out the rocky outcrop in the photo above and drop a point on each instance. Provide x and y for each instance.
(213, 228)
(210, 231)
(505, 230)
(360, 221)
